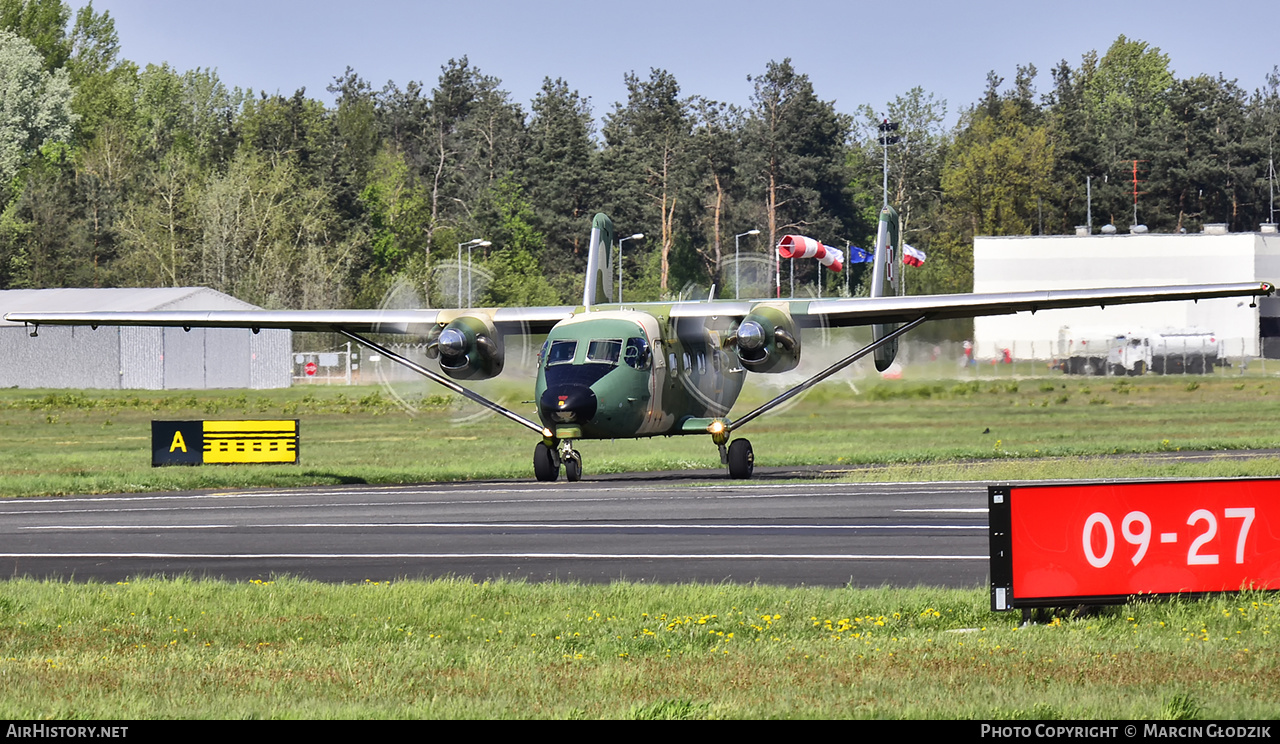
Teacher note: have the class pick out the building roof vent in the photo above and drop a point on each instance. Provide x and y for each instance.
(1215, 228)
(1268, 227)
(1138, 229)
(1084, 230)
(1108, 229)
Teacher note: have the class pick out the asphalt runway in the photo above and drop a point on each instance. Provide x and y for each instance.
(677, 526)
(658, 529)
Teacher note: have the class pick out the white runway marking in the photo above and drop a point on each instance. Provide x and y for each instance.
(983, 510)
(531, 556)
(514, 525)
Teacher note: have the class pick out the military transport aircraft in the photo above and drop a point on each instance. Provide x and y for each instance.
(624, 371)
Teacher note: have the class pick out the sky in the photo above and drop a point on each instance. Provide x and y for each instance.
(854, 52)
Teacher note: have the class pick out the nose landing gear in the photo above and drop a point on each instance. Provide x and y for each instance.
(547, 460)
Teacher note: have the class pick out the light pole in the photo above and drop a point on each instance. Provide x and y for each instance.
(737, 295)
(481, 244)
(887, 139)
(469, 244)
(637, 236)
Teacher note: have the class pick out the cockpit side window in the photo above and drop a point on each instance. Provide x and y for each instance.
(604, 351)
(561, 352)
(637, 353)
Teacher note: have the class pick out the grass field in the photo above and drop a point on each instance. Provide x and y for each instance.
(152, 648)
(296, 649)
(63, 442)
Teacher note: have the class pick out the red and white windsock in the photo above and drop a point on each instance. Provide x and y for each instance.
(798, 246)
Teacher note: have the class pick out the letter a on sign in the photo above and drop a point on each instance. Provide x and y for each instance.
(177, 443)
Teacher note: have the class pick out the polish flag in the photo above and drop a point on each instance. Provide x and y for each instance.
(912, 256)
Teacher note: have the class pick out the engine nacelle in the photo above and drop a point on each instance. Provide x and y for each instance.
(469, 348)
(767, 340)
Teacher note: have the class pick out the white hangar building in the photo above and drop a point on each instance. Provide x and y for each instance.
(1017, 263)
(115, 358)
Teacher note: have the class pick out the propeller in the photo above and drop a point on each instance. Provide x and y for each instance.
(443, 347)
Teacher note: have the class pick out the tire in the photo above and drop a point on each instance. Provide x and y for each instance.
(573, 468)
(742, 460)
(545, 467)
(1139, 368)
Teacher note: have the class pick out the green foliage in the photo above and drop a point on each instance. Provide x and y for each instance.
(121, 173)
(998, 170)
(516, 280)
(35, 104)
(1129, 84)
(795, 157)
(43, 23)
(562, 177)
(397, 211)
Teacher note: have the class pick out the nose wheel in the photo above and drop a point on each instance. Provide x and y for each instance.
(547, 460)
(546, 466)
(572, 460)
(573, 467)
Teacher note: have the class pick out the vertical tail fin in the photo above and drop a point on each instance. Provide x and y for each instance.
(599, 285)
(884, 282)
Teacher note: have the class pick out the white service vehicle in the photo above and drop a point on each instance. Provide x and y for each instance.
(1186, 351)
(1171, 351)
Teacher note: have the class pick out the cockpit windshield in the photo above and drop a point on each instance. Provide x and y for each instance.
(637, 353)
(605, 351)
(561, 352)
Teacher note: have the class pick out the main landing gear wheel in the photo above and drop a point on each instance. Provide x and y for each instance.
(546, 467)
(742, 460)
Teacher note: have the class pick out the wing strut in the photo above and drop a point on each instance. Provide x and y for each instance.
(445, 381)
(824, 374)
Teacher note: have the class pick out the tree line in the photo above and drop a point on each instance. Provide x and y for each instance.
(117, 174)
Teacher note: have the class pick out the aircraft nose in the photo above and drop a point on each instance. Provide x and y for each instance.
(568, 404)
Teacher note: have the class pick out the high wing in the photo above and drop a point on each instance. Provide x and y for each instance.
(539, 320)
(510, 320)
(876, 310)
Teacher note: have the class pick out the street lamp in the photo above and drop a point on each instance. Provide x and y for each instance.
(481, 244)
(468, 245)
(736, 273)
(637, 236)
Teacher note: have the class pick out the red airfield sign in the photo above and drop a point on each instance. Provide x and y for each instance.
(1052, 545)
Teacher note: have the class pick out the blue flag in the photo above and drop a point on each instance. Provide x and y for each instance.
(857, 255)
